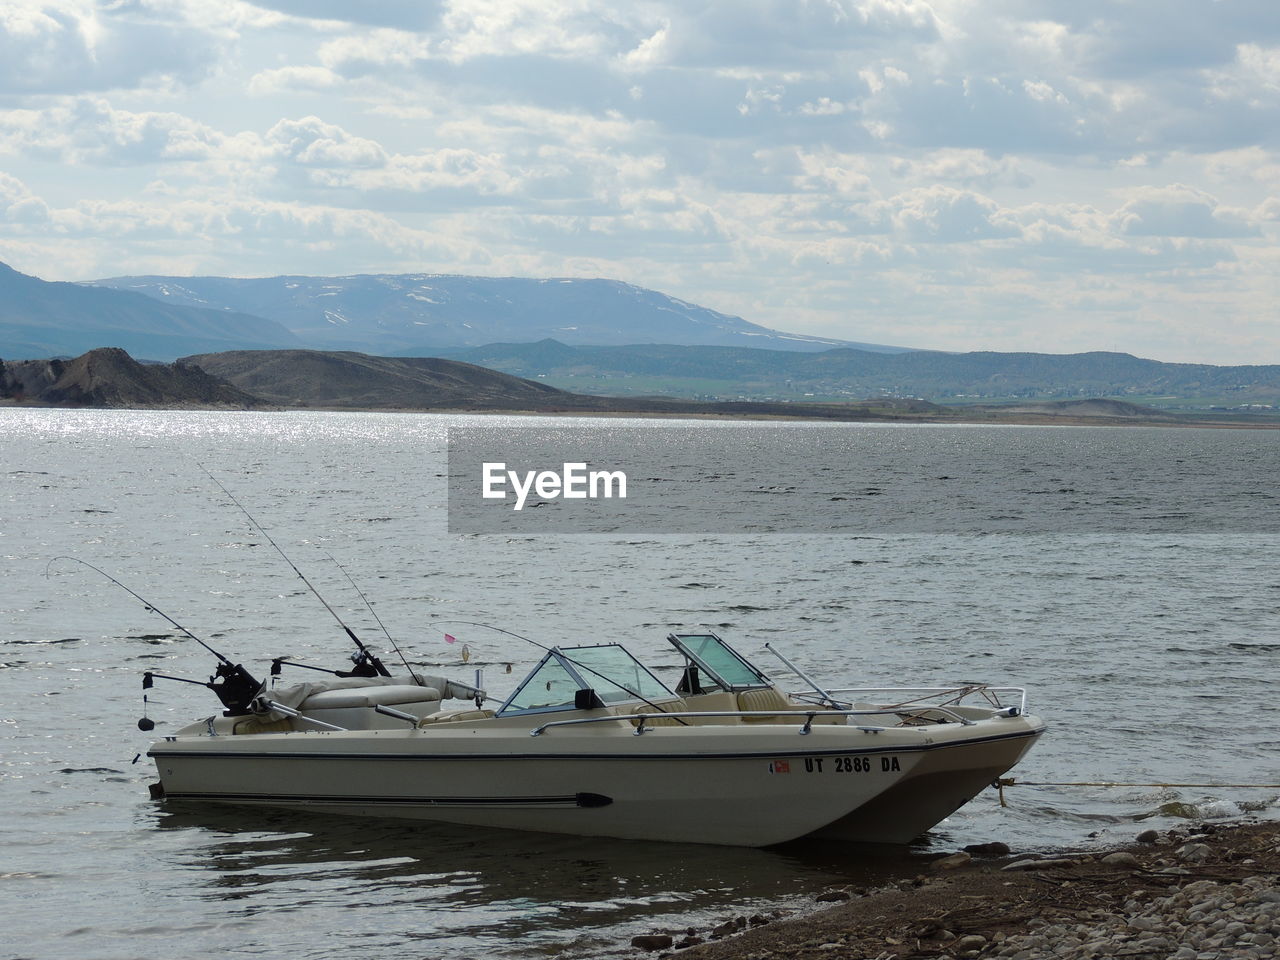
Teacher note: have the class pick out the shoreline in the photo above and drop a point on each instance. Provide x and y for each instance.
(1203, 892)
(853, 416)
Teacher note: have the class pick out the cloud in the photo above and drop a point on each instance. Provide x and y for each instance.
(401, 14)
(1180, 211)
(781, 34)
(947, 215)
(972, 168)
(18, 205)
(89, 130)
(73, 46)
(293, 80)
(312, 142)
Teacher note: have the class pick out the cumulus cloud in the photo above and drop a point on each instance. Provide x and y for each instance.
(947, 215)
(1180, 211)
(293, 80)
(72, 46)
(402, 14)
(18, 205)
(973, 168)
(314, 143)
(787, 34)
(90, 130)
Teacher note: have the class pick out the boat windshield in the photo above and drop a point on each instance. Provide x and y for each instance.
(608, 669)
(718, 661)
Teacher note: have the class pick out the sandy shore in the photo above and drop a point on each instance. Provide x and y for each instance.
(1203, 893)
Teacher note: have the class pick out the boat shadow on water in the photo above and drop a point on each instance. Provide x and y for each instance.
(517, 893)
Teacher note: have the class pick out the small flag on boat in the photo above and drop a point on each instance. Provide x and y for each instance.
(449, 639)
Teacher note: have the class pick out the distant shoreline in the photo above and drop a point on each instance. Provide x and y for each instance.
(829, 414)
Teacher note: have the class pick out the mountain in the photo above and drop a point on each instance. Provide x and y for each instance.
(109, 377)
(42, 319)
(312, 378)
(710, 372)
(404, 314)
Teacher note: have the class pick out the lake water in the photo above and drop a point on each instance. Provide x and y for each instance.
(1147, 637)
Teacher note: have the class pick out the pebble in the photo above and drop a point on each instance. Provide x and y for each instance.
(833, 896)
(1194, 852)
(1120, 859)
(993, 849)
(652, 941)
(1202, 920)
(951, 862)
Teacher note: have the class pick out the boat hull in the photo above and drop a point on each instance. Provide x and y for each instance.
(747, 786)
(940, 784)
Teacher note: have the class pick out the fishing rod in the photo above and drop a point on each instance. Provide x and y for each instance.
(141, 599)
(365, 654)
(560, 653)
(238, 686)
(390, 639)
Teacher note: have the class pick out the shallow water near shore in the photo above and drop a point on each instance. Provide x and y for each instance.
(1153, 657)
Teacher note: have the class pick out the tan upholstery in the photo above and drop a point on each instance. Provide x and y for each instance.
(454, 715)
(769, 698)
(262, 725)
(766, 698)
(672, 706)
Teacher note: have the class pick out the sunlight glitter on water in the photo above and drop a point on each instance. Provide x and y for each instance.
(1149, 655)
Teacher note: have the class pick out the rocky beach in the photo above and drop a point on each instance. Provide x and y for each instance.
(1207, 892)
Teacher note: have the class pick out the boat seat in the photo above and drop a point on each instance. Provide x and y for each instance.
(672, 706)
(352, 707)
(390, 695)
(249, 725)
(765, 698)
(452, 716)
(770, 698)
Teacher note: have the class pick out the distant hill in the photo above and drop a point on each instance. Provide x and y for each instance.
(42, 319)
(402, 315)
(710, 372)
(109, 377)
(312, 378)
(307, 379)
(1091, 407)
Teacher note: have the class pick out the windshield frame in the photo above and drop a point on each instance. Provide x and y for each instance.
(582, 674)
(709, 672)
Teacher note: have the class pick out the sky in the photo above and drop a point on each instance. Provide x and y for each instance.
(957, 175)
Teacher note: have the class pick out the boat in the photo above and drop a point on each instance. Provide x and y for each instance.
(593, 743)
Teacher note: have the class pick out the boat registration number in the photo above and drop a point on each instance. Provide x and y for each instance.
(860, 764)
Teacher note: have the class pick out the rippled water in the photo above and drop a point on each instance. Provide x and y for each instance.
(1153, 657)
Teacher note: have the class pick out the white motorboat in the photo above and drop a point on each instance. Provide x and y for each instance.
(592, 743)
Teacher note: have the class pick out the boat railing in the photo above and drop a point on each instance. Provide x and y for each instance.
(809, 716)
(1001, 698)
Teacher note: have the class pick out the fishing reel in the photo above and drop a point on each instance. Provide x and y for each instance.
(365, 663)
(233, 685)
